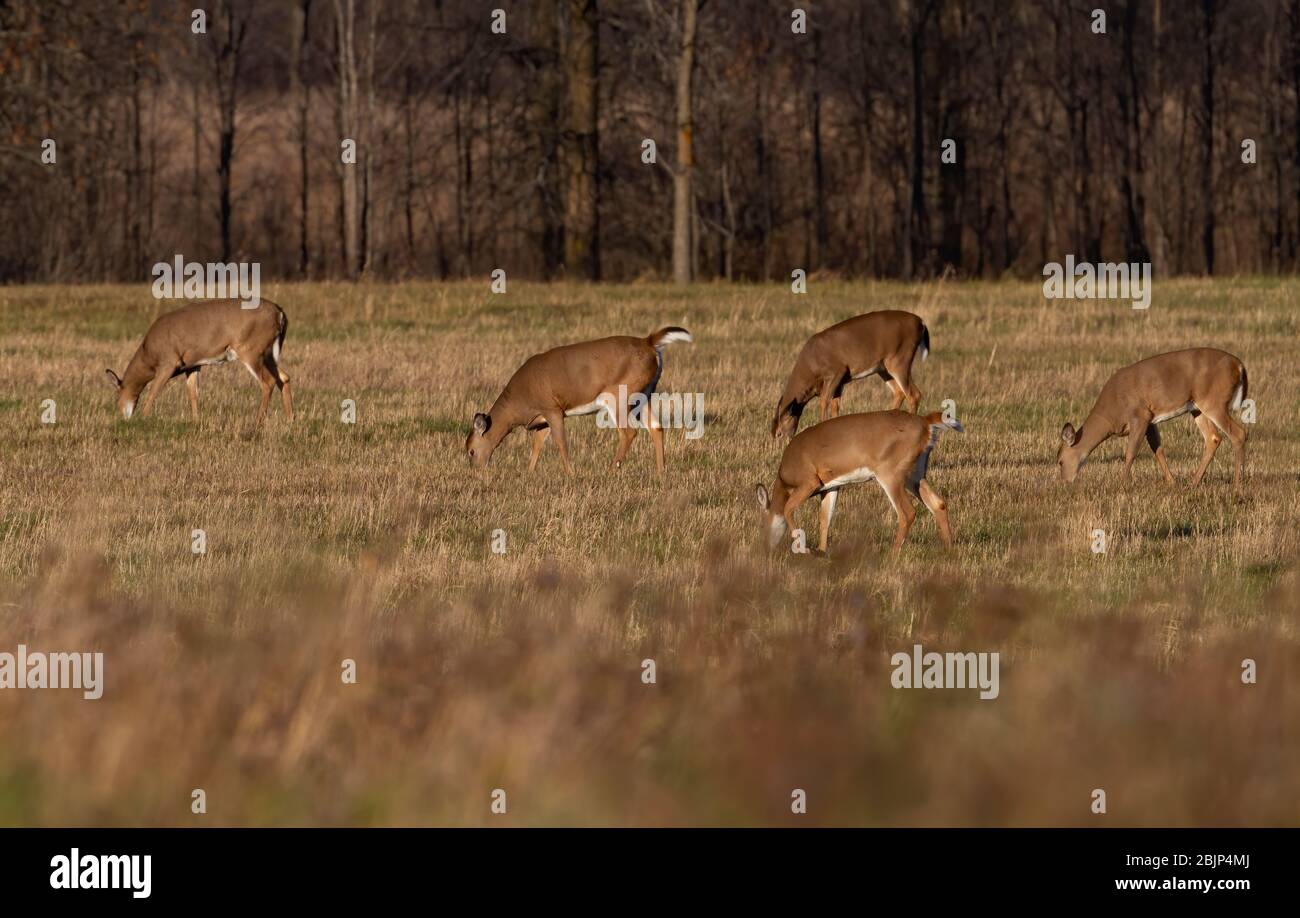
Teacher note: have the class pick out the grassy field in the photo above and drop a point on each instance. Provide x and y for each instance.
(523, 671)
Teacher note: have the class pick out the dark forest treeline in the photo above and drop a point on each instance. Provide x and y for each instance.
(776, 149)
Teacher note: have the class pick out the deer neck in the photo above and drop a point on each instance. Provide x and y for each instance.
(779, 495)
(507, 413)
(798, 389)
(1094, 431)
(136, 376)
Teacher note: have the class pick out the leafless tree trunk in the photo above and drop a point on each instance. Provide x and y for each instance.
(766, 175)
(408, 166)
(464, 185)
(545, 119)
(300, 90)
(1208, 13)
(135, 168)
(196, 176)
(582, 202)
(346, 113)
(918, 220)
(1158, 215)
(1275, 233)
(367, 144)
(1132, 181)
(1293, 15)
(231, 20)
(819, 164)
(683, 172)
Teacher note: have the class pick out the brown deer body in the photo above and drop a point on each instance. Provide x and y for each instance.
(575, 380)
(876, 344)
(203, 334)
(891, 448)
(1207, 383)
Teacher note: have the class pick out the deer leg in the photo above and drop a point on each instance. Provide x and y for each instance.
(827, 387)
(902, 374)
(266, 379)
(1137, 430)
(1221, 418)
(838, 393)
(914, 397)
(625, 437)
(938, 508)
(160, 381)
(192, 387)
(1212, 440)
(897, 391)
(827, 511)
(285, 397)
(555, 421)
(538, 441)
(897, 495)
(794, 501)
(657, 438)
(1153, 440)
(263, 377)
(281, 380)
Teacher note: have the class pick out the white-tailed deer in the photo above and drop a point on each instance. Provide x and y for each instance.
(573, 380)
(1208, 383)
(203, 334)
(891, 448)
(876, 344)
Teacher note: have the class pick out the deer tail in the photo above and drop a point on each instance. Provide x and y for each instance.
(1243, 389)
(279, 338)
(938, 423)
(667, 335)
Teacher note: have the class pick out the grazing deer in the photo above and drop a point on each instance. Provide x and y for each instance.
(891, 448)
(1208, 383)
(203, 334)
(573, 380)
(876, 344)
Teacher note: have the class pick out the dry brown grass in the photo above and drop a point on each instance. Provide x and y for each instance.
(329, 541)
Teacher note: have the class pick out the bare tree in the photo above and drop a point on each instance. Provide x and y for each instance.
(231, 26)
(1209, 11)
(582, 199)
(300, 89)
(346, 77)
(1131, 97)
(917, 15)
(683, 173)
(544, 119)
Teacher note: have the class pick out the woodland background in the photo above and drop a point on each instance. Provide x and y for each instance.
(775, 150)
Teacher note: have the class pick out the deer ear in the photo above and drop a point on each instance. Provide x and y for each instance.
(1069, 435)
(763, 502)
(481, 423)
(114, 379)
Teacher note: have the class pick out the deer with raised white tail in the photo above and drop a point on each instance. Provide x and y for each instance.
(876, 344)
(574, 380)
(891, 448)
(206, 334)
(1209, 384)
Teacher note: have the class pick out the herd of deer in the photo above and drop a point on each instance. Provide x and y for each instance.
(891, 448)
